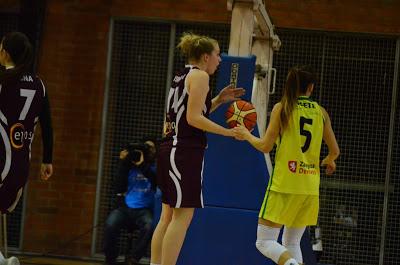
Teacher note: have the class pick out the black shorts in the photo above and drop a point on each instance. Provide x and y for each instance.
(180, 176)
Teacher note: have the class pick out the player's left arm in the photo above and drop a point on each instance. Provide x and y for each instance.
(266, 143)
(46, 169)
(333, 147)
(227, 94)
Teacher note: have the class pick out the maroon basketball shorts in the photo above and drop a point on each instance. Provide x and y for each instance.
(180, 176)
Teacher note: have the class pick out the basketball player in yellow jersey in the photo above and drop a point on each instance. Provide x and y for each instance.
(297, 127)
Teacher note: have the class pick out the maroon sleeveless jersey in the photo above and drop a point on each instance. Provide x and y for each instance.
(20, 106)
(177, 130)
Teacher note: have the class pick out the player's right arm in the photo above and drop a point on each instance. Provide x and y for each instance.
(266, 143)
(330, 140)
(198, 88)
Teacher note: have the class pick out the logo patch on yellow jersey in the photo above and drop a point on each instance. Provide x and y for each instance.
(292, 166)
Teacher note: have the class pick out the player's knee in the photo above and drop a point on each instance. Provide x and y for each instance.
(291, 241)
(294, 243)
(263, 246)
(270, 248)
(294, 249)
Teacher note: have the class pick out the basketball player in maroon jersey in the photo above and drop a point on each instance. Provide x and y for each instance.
(23, 103)
(180, 158)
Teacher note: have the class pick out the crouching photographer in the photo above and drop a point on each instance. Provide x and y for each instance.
(135, 188)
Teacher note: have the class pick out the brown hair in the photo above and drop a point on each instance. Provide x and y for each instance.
(297, 82)
(194, 46)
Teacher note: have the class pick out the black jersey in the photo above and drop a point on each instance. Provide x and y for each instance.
(177, 130)
(21, 102)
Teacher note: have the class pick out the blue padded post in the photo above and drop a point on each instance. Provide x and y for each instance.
(235, 174)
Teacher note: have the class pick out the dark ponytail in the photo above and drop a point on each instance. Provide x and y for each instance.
(17, 45)
(297, 82)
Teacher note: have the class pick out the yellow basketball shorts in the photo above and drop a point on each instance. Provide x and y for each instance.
(291, 210)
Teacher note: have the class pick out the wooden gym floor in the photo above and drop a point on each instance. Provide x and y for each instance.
(29, 260)
(33, 260)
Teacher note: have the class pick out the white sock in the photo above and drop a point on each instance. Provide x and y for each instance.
(291, 262)
(1, 256)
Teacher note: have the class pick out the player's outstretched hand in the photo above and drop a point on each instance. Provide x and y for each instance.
(330, 165)
(229, 93)
(241, 132)
(46, 170)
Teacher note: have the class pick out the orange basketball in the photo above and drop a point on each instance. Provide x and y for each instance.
(241, 112)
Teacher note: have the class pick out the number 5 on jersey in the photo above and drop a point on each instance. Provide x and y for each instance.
(304, 132)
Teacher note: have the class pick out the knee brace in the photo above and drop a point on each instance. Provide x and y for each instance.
(270, 249)
(267, 242)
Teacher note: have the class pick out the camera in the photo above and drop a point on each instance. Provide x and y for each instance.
(136, 150)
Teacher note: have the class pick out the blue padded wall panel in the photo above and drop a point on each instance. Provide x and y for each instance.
(235, 174)
(222, 236)
(238, 177)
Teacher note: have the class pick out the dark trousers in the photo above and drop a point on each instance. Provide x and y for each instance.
(124, 217)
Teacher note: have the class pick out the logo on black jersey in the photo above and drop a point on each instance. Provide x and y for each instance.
(169, 126)
(292, 166)
(18, 135)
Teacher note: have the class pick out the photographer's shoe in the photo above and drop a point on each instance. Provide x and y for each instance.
(10, 261)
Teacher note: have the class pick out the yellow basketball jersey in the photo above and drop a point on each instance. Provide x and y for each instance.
(298, 149)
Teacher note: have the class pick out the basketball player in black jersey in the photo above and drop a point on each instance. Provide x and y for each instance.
(180, 158)
(23, 103)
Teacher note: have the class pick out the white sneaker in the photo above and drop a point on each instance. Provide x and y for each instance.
(10, 261)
